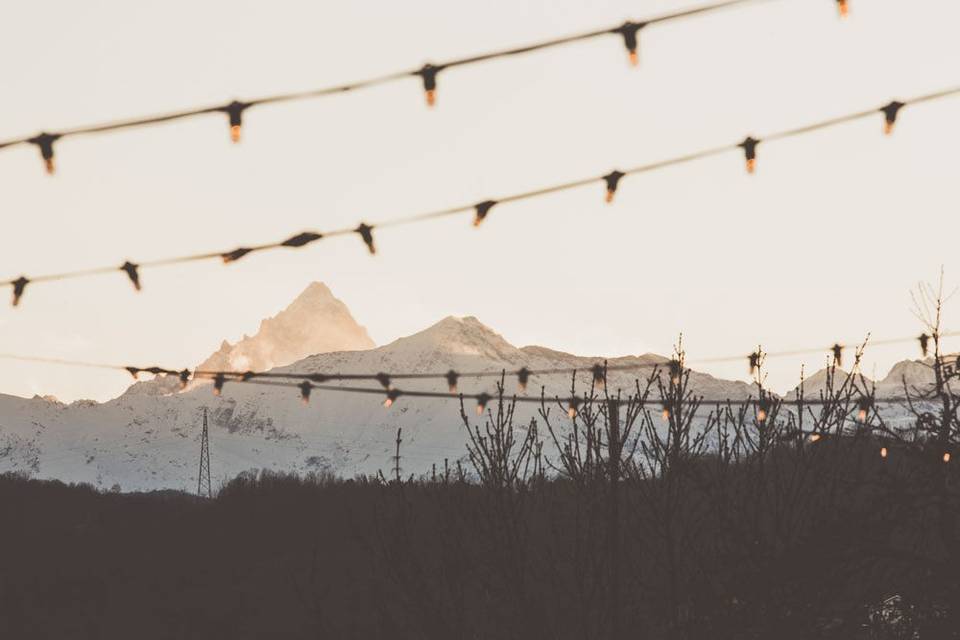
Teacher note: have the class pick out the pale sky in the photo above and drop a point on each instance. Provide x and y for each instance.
(822, 244)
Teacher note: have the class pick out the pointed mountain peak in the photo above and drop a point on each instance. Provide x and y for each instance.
(813, 385)
(315, 322)
(316, 292)
(466, 336)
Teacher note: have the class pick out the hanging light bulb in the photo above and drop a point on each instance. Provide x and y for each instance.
(305, 389)
(44, 142)
(218, 381)
(837, 350)
(754, 361)
(665, 414)
(19, 285)
(523, 375)
(675, 371)
(392, 395)
(844, 8)
(366, 232)
(924, 344)
(131, 271)
(890, 115)
(384, 380)
(482, 401)
(629, 32)
(863, 408)
(814, 437)
(452, 377)
(612, 179)
(946, 456)
(428, 73)
(599, 375)
(482, 209)
(883, 452)
(234, 112)
(573, 407)
(763, 408)
(749, 146)
(184, 378)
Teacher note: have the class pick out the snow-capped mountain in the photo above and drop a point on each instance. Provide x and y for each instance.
(917, 375)
(148, 438)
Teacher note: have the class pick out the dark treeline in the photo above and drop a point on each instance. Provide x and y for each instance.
(640, 515)
(800, 553)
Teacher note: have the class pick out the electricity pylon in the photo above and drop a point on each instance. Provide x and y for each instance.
(203, 478)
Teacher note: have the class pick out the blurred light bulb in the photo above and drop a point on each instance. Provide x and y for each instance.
(131, 270)
(612, 179)
(218, 381)
(452, 380)
(523, 376)
(44, 142)
(428, 73)
(890, 112)
(234, 112)
(392, 396)
(629, 32)
(754, 361)
(599, 375)
(366, 232)
(837, 350)
(482, 209)
(675, 371)
(482, 401)
(305, 389)
(749, 146)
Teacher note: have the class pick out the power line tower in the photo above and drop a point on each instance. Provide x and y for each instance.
(203, 478)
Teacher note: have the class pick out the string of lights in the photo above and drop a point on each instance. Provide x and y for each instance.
(611, 181)
(234, 111)
(598, 371)
(764, 403)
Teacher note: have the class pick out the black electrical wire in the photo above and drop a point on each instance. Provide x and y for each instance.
(599, 370)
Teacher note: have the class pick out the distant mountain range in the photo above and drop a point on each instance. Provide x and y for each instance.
(148, 438)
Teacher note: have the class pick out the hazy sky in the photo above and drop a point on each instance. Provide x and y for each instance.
(822, 244)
